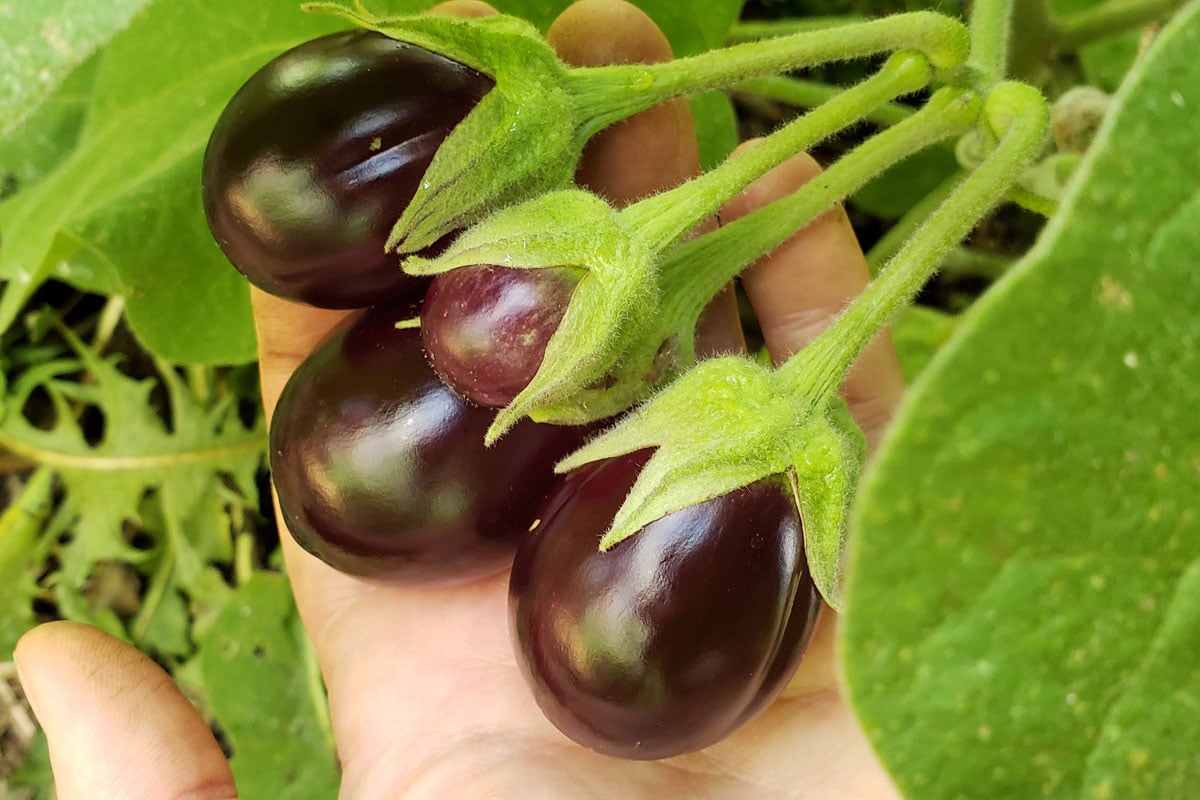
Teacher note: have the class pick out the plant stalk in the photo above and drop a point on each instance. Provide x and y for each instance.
(611, 93)
(904, 228)
(1073, 31)
(665, 218)
(686, 288)
(990, 27)
(810, 94)
(1018, 114)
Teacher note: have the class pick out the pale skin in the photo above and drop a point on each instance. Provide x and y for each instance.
(424, 692)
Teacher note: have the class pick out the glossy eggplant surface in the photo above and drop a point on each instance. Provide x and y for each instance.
(674, 637)
(381, 469)
(316, 157)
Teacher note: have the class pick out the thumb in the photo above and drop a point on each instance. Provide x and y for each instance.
(117, 726)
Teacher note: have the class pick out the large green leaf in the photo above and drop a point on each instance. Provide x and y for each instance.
(42, 42)
(252, 670)
(32, 149)
(1022, 607)
(128, 194)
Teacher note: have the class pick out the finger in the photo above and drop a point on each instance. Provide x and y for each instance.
(287, 333)
(799, 288)
(463, 8)
(117, 726)
(648, 152)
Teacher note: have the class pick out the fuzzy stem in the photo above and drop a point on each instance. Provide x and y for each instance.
(1031, 31)
(810, 94)
(754, 30)
(899, 233)
(607, 94)
(665, 218)
(688, 286)
(1073, 31)
(1032, 201)
(990, 27)
(963, 261)
(1018, 114)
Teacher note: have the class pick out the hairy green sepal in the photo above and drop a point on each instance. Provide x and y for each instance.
(725, 424)
(824, 477)
(519, 141)
(611, 307)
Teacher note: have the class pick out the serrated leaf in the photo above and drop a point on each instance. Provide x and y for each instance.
(170, 482)
(1024, 553)
(42, 42)
(20, 525)
(251, 667)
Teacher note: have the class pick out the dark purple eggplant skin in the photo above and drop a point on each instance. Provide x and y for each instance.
(381, 470)
(674, 637)
(316, 157)
(486, 327)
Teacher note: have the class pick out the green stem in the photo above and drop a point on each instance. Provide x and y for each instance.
(907, 225)
(1018, 114)
(1031, 32)
(611, 93)
(754, 30)
(810, 94)
(106, 324)
(687, 288)
(1073, 31)
(990, 26)
(315, 684)
(664, 218)
(243, 558)
(1032, 201)
(156, 592)
(965, 261)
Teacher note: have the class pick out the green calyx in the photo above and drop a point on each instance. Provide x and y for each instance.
(518, 142)
(724, 425)
(526, 136)
(626, 332)
(611, 306)
(729, 422)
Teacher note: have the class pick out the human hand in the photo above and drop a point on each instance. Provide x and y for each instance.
(425, 695)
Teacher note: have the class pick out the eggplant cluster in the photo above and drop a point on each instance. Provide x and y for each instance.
(661, 645)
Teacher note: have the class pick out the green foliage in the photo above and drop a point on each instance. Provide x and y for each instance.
(251, 664)
(127, 194)
(1023, 582)
(20, 525)
(179, 484)
(900, 188)
(40, 43)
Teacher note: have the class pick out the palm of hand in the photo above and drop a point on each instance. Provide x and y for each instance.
(426, 695)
